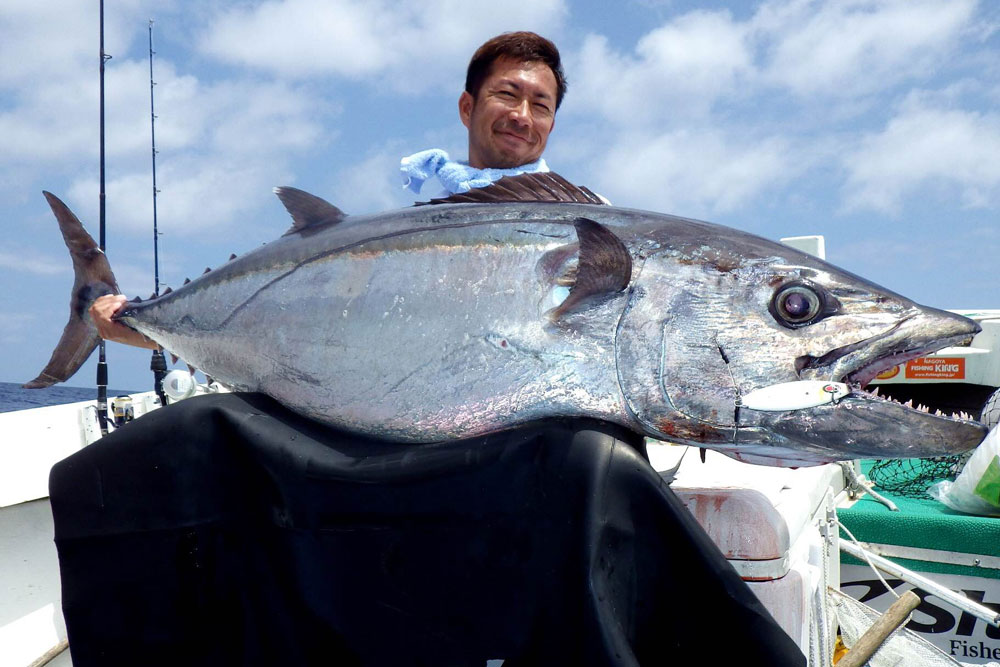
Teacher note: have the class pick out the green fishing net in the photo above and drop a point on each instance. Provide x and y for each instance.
(912, 477)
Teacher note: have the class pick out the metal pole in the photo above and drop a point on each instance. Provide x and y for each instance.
(923, 583)
(152, 128)
(102, 364)
(158, 363)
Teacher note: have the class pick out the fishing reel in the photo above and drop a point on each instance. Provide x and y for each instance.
(179, 384)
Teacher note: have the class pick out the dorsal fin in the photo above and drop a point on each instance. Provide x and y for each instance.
(547, 186)
(604, 267)
(308, 212)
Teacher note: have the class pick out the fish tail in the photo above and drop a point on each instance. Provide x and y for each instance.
(93, 278)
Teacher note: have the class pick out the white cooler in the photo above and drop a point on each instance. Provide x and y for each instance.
(774, 526)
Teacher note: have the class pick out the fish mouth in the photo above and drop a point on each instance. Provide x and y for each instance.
(857, 364)
(869, 371)
(863, 369)
(864, 424)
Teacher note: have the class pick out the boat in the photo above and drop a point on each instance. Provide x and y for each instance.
(778, 527)
(32, 629)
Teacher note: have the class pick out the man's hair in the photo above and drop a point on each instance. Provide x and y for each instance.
(520, 47)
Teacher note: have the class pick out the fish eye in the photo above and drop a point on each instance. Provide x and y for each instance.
(797, 304)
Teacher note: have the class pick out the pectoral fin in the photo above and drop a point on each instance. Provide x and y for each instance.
(604, 267)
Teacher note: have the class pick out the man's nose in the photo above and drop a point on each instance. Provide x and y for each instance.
(521, 113)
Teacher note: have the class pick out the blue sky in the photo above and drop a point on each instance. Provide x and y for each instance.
(872, 123)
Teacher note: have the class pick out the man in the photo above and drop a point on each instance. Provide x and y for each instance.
(549, 544)
(513, 87)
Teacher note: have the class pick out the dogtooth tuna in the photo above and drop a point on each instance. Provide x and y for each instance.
(532, 299)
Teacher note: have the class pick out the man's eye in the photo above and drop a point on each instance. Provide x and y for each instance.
(542, 108)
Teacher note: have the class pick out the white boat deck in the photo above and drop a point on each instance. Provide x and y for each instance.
(31, 621)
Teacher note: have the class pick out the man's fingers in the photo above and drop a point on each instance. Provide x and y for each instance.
(103, 310)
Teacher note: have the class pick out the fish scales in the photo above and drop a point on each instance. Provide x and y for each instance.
(372, 358)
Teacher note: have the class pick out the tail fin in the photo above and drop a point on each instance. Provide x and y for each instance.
(93, 279)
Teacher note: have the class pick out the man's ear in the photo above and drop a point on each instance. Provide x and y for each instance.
(465, 104)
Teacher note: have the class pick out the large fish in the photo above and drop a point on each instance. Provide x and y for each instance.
(531, 299)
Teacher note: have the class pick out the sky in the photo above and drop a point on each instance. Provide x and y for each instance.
(873, 123)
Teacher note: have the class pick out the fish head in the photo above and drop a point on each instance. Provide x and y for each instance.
(714, 315)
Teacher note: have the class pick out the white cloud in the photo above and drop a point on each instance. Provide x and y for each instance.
(221, 146)
(199, 196)
(678, 70)
(708, 111)
(857, 46)
(27, 261)
(702, 52)
(373, 184)
(38, 126)
(408, 43)
(38, 39)
(48, 88)
(927, 149)
(257, 119)
(218, 138)
(694, 173)
(704, 62)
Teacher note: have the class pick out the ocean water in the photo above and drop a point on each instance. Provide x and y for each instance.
(13, 397)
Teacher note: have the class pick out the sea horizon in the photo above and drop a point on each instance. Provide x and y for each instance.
(14, 397)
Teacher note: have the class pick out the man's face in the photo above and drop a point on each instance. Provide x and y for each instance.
(510, 119)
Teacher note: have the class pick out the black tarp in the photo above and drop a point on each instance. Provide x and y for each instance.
(226, 530)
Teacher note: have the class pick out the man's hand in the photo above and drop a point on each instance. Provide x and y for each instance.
(101, 312)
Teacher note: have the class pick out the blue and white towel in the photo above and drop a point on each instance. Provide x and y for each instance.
(456, 176)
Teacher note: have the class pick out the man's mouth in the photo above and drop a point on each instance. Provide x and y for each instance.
(512, 136)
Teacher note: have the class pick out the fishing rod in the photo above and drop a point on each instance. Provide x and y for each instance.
(158, 363)
(102, 364)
